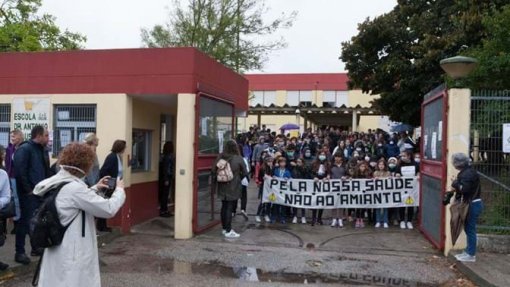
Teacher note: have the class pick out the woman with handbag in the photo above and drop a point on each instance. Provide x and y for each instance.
(467, 186)
(5, 202)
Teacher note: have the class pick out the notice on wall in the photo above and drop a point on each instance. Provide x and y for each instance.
(30, 112)
(506, 138)
(350, 193)
(440, 131)
(433, 146)
(220, 141)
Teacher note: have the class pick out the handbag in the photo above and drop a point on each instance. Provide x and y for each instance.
(9, 210)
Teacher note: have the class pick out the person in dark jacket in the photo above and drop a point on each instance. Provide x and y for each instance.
(467, 184)
(166, 177)
(321, 170)
(31, 166)
(229, 192)
(300, 171)
(112, 167)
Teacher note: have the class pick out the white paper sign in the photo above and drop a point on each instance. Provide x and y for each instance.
(506, 138)
(220, 141)
(440, 131)
(433, 146)
(351, 193)
(30, 112)
(408, 170)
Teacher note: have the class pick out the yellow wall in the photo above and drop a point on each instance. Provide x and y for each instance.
(147, 116)
(184, 168)
(111, 108)
(357, 97)
(459, 119)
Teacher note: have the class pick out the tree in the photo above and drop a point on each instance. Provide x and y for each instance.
(227, 30)
(397, 54)
(21, 29)
(493, 54)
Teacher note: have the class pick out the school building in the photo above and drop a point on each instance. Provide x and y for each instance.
(309, 100)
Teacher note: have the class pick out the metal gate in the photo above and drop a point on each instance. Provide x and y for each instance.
(490, 111)
(433, 165)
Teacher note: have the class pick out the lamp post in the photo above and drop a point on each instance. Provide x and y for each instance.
(458, 67)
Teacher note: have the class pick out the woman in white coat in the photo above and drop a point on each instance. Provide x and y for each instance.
(75, 262)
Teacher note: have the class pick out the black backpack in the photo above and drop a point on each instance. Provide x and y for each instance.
(45, 227)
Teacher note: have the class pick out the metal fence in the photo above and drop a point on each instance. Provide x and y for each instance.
(5, 123)
(489, 111)
(72, 123)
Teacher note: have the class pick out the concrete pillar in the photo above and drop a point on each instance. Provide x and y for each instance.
(459, 120)
(259, 120)
(354, 121)
(184, 168)
(306, 123)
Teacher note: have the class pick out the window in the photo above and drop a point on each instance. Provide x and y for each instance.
(141, 150)
(5, 123)
(72, 123)
(299, 98)
(334, 99)
(264, 98)
(215, 125)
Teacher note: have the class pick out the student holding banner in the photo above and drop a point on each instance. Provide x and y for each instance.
(361, 171)
(338, 171)
(321, 170)
(265, 170)
(407, 168)
(300, 171)
(381, 214)
(280, 171)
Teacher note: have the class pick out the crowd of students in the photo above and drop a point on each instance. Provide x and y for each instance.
(330, 153)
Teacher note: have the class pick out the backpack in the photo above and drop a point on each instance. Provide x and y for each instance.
(224, 172)
(45, 227)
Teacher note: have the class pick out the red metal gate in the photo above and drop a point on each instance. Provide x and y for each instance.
(433, 165)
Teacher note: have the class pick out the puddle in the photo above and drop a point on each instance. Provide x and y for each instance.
(246, 273)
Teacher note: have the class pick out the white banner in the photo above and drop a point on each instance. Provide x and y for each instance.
(350, 193)
(29, 112)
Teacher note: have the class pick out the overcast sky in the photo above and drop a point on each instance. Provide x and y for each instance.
(314, 41)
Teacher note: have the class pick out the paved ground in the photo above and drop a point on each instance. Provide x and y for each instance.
(273, 255)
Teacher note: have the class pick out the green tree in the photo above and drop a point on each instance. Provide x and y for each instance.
(227, 30)
(22, 29)
(493, 54)
(397, 54)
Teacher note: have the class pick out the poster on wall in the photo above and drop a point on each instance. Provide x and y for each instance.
(506, 138)
(30, 112)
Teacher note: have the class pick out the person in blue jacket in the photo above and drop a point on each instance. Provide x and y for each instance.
(281, 171)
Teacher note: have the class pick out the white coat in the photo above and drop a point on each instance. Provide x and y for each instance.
(75, 262)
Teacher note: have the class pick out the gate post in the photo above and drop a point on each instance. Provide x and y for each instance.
(458, 131)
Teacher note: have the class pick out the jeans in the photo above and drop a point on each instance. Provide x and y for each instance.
(295, 212)
(16, 199)
(226, 214)
(317, 215)
(29, 203)
(277, 212)
(264, 208)
(163, 194)
(381, 215)
(475, 209)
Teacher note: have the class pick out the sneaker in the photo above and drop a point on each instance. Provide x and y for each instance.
(22, 258)
(333, 222)
(385, 225)
(3, 266)
(257, 218)
(267, 219)
(466, 258)
(243, 213)
(294, 220)
(461, 254)
(223, 231)
(402, 225)
(232, 234)
(303, 220)
(395, 222)
(377, 225)
(409, 225)
(233, 214)
(340, 223)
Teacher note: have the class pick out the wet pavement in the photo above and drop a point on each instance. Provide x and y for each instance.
(272, 255)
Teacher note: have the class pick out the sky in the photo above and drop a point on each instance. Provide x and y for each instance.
(313, 42)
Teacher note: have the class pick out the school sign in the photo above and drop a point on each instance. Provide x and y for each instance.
(349, 193)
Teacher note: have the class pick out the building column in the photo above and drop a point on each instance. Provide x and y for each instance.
(259, 120)
(354, 121)
(184, 166)
(458, 133)
(306, 123)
